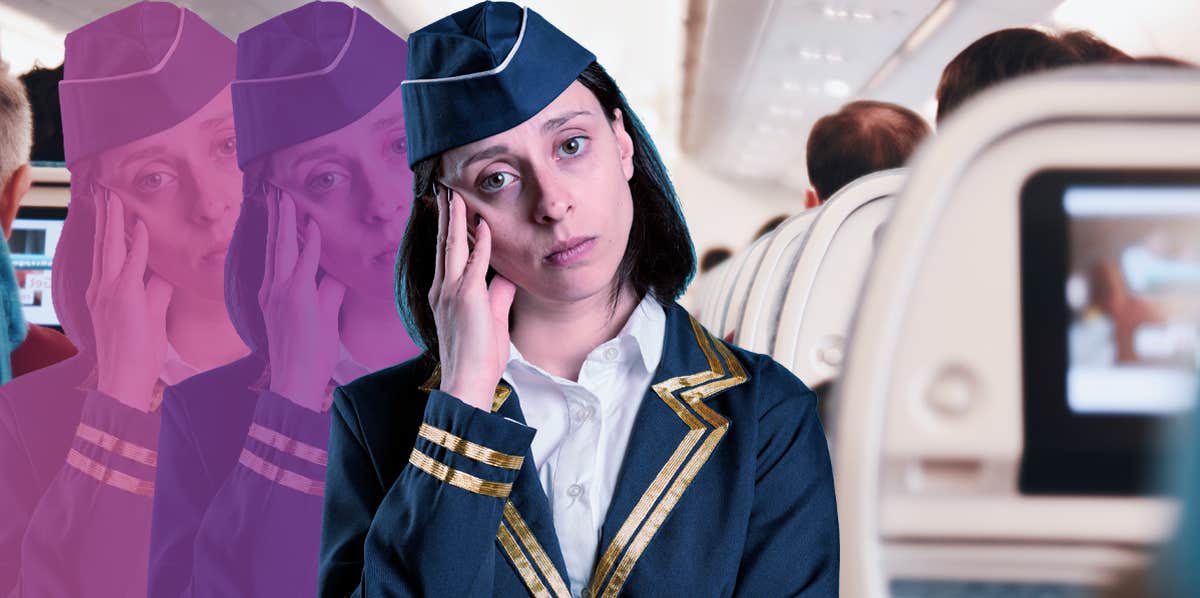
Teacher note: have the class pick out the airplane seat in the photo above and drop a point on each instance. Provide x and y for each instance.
(713, 283)
(756, 331)
(820, 296)
(739, 288)
(978, 450)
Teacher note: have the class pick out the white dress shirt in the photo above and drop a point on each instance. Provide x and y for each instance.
(583, 428)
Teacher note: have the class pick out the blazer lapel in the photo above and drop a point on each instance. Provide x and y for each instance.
(527, 533)
(673, 436)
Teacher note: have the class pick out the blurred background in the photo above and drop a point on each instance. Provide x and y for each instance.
(728, 88)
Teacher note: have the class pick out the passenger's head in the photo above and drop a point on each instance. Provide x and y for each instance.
(769, 226)
(713, 258)
(340, 157)
(41, 85)
(861, 138)
(1162, 60)
(563, 158)
(997, 57)
(1093, 50)
(16, 137)
(147, 121)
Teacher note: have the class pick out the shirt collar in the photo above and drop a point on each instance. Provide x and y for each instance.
(646, 327)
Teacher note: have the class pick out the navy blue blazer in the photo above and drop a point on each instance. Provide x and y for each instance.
(725, 489)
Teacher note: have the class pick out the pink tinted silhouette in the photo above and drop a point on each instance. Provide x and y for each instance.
(309, 286)
(137, 283)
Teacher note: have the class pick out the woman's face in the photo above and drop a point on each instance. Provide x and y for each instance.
(184, 183)
(355, 184)
(560, 180)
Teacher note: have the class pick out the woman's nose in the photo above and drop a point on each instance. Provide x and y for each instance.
(212, 205)
(382, 203)
(554, 198)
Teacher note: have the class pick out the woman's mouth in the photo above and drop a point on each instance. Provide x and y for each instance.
(570, 251)
(214, 257)
(386, 257)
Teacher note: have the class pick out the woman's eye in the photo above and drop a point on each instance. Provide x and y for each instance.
(325, 181)
(573, 146)
(496, 181)
(400, 146)
(227, 147)
(154, 181)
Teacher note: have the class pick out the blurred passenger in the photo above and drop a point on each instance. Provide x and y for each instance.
(713, 258)
(1093, 50)
(41, 85)
(1000, 56)
(770, 225)
(861, 138)
(41, 346)
(1160, 60)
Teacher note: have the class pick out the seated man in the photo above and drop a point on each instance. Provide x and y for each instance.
(42, 346)
(1001, 56)
(861, 138)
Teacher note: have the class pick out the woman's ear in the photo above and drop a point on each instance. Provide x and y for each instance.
(624, 143)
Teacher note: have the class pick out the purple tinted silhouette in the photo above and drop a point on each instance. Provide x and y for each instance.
(309, 286)
(137, 284)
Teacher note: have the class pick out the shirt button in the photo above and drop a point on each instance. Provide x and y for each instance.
(583, 414)
(574, 490)
(612, 353)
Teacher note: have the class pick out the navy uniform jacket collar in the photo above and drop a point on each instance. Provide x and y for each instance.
(673, 437)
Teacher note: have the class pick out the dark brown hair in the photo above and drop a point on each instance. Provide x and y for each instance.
(1092, 49)
(659, 257)
(997, 57)
(861, 138)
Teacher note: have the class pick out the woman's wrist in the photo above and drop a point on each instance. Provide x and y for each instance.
(475, 397)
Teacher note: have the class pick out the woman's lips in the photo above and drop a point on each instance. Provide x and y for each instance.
(386, 257)
(572, 254)
(214, 257)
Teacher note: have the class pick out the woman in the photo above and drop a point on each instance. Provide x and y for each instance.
(665, 462)
(137, 283)
(309, 288)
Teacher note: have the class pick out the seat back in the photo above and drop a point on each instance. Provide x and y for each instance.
(825, 284)
(768, 287)
(930, 429)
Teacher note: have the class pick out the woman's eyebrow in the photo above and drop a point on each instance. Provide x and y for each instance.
(146, 152)
(386, 122)
(559, 121)
(213, 122)
(313, 155)
(483, 154)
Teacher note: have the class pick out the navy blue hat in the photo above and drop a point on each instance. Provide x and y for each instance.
(482, 71)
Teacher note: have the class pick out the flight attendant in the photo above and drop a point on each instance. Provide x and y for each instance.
(570, 429)
(137, 280)
(237, 506)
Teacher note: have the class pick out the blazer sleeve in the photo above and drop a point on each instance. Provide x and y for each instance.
(90, 531)
(792, 546)
(431, 531)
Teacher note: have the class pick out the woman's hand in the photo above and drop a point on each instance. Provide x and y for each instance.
(471, 317)
(301, 316)
(128, 313)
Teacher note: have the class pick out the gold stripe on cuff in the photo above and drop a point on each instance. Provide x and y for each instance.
(289, 445)
(107, 475)
(457, 478)
(281, 476)
(469, 449)
(113, 444)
